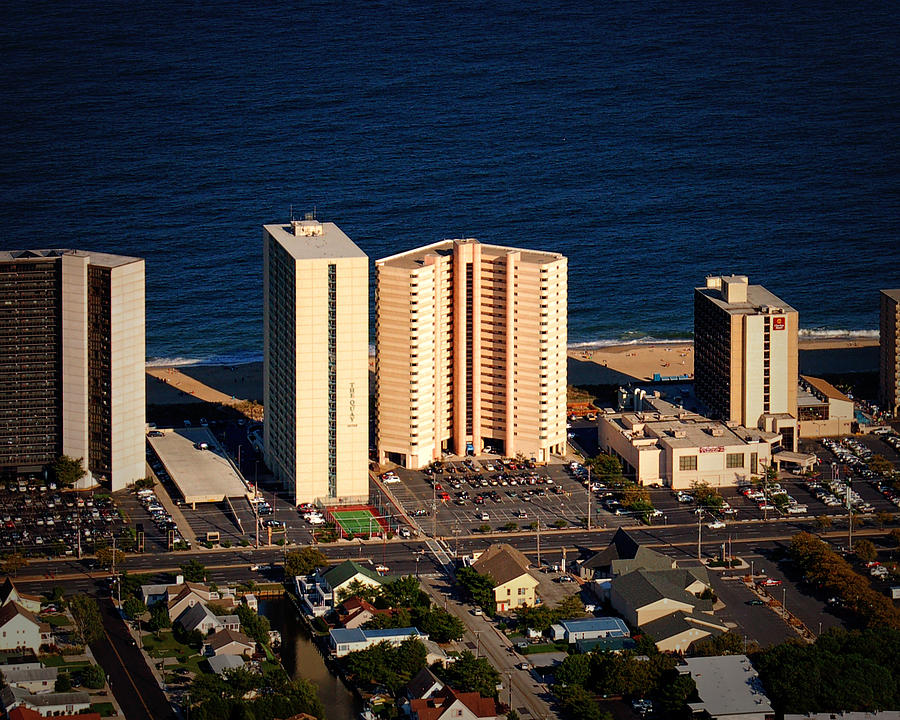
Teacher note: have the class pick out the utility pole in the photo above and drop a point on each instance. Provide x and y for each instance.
(78, 531)
(256, 512)
(434, 509)
(849, 520)
(538, 523)
(699, 531)
(589, 498)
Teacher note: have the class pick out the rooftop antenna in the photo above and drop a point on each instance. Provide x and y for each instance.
(315, 211)
(292, 212)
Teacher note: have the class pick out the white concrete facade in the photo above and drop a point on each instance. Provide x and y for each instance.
(316, 383)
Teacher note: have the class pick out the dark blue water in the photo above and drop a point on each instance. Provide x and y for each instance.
(651, 142)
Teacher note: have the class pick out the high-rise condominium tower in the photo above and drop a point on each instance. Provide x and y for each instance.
(316, 381)
(745, 346)
(471, 352)
(889, 365)
(72, 363)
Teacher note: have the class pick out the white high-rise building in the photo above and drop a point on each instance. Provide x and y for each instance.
(316, 372)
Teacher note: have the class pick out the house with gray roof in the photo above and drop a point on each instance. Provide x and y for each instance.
(222, 663)
(621, 556)
(37, 679)
(678, 631)
(46, 703)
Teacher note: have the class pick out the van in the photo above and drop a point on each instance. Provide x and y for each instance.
(484, 516)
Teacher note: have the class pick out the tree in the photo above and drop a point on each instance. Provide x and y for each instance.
(512, 715)
(93, 677)
(303, 561)
(87, 616)
(865, 550)
(133, 607)
(255, 625)
(145, 483)
(579, 704)
(574, 670)
(440, 625)
(13, 563)
(606, 468)
(63, 683)
(471, 674)
(705, 495)
(895, 535)
(884, 518)
(357, 588)
(729, 643)
(477, 588)
(193, 571)
(570, 607)
(159, 618)
(404, 592)
(108, 558)
(823, 522)
(68, 471)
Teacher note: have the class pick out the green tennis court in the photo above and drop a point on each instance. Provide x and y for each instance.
(357, 522)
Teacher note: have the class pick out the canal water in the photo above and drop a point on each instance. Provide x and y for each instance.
(301, 658)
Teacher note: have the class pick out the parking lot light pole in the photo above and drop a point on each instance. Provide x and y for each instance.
(589, 498)
(699, 532)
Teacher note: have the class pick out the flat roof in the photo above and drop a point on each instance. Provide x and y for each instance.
(200, 475)
(412, 259)
(330, 242)
(757, 297)
(892, 294)
(727, 685)
(825, 388)
(95, 258)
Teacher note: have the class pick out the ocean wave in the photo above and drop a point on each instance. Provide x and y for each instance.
(233, 359)
(645, 340)
(825, 334)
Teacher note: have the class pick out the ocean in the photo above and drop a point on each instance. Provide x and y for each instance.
(652, 143)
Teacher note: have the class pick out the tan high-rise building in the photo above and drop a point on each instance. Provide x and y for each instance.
(72, 363)
(746, 361)
(316, 370)
(889, 365)
(471, 352)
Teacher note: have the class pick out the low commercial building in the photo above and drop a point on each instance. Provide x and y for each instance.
(679, 450)
(823, 410)
(343, 641)
(514, 585)
(589, 629)
(643, 596)
(621, 556)
(728, 687)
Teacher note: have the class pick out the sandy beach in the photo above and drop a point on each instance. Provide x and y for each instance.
(231, 385)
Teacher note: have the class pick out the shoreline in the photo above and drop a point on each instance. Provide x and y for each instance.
(235, 383)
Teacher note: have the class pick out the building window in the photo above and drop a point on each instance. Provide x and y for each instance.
(332, 381)
(734, 460)
(521, 591)
(754, 462)
(687, 462)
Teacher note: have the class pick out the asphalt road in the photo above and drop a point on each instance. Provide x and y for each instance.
(132, 682)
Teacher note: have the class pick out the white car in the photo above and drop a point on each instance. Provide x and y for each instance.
(390, 480)
(315, 520)
(717, 525)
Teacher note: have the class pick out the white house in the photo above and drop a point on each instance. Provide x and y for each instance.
(343, 641)
(20, 629)
(322, 591)
(45, 704)
(35, 680)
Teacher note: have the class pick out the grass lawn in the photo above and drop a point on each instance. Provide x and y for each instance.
(61, 662)
(56, 620)
(166, 646)
(545, 647)
(105, 709)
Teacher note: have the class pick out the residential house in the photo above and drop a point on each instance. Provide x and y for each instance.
(728, 688)
(621, 556)
(154, 593)
(47, 704)
(220, 664)
(39, 679)
(322, 591)
(23, 713)
(423, 685)
(356, 612)
(198, 617)
(229, 642)
(343, 641)
(20, 629)
(514, 585)
(447, 704)
(181, 597)
(9, 593)
(589, 629)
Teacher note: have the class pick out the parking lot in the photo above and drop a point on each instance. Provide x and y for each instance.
(38, 519)
(498, 494)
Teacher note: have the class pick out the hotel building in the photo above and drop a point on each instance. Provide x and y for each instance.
(746, 362)
(72, 363)
(889, 365)
(316, 369)
(471, 352)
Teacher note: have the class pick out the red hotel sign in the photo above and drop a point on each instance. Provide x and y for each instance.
(719, 448)
(778, 323)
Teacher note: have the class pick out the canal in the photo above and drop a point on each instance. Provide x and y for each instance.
(301, 658)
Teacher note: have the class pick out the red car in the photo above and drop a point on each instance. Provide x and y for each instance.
(769, 582)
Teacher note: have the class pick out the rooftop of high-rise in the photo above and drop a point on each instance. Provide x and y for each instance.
(313, 240)
(96, 258)
(735, 295)
(412, 259)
